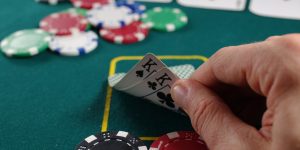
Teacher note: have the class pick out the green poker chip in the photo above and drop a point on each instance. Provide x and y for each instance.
(165, 19)
(25, 43)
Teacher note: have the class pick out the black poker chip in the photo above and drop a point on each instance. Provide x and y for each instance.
(51, 2)
(111, 140)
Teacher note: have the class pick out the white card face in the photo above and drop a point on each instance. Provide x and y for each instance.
(156, 1)
(157, 88)
(233, 5)
(288, 9)
(142, 70)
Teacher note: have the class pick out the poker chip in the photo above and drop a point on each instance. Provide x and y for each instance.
(25, 43)
(165, 19)
(134, 32)
(80, 11)
(51, 2)
(111, 16)
(135, 6)
(74, 45)
(119, 140)
(180, 140)
(88, 4)
(64, 23)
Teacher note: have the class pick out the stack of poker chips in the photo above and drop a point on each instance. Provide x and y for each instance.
(71, 32)
(121, 140)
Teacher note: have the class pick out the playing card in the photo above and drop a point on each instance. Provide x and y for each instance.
(233, 5)
(143, 69)
(156, 1)
(182, 71)
(289, 9)
(157, 88)
(113, 80)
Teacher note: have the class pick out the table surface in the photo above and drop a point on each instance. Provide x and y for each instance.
(53, 102)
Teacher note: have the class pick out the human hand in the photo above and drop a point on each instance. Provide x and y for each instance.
(246, 78)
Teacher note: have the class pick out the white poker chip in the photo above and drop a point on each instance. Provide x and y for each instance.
(74, 45)
(111, 16)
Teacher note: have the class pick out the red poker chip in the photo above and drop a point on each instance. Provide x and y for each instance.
(64, 23)
(132, 33)
(88, 4)
(181, 140)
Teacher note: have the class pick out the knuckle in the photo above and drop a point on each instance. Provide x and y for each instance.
(219, 57)
(271, 38)
(222, 52)
(291, 42)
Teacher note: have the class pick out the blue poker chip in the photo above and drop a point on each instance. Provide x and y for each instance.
(74, 45)
(111, 16)
(134, 6)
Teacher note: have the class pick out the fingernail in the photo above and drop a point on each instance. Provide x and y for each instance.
(179, 92)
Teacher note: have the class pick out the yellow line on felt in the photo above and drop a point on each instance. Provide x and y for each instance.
(106, 109)
(187, 57)
(112, 71)
(148, 138)
(113, 63)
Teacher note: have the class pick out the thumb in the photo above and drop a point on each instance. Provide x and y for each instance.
(213, 120)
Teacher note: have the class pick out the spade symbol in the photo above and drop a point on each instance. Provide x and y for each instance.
(139, 73)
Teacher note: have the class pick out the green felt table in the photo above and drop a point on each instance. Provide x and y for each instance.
(53, 102)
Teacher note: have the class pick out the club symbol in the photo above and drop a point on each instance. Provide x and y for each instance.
(166, 98)
(152, 85)
(139, 73)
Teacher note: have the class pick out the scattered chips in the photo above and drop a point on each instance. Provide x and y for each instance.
(111, 16)
(134, 32)
(64, 23)
(88, 4)
(25, 43)
(182, 140)
(74, 45)
(165, 19)
(119, 140)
